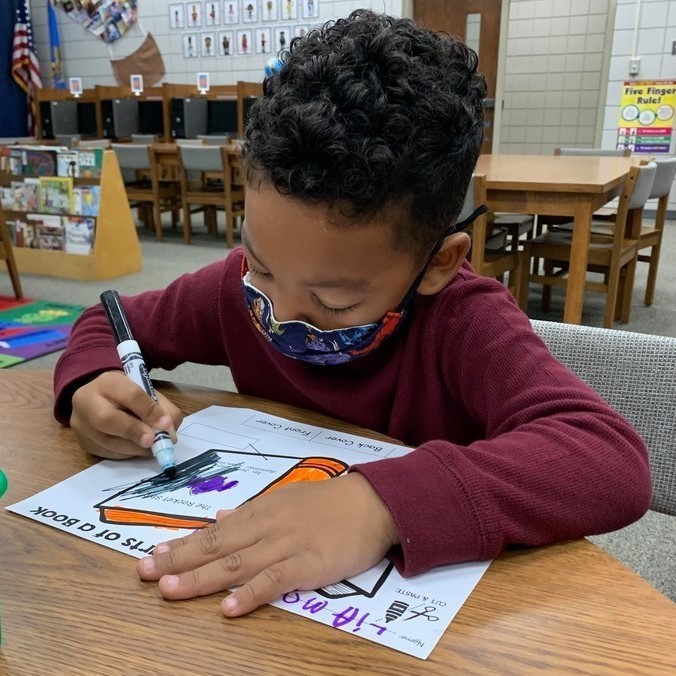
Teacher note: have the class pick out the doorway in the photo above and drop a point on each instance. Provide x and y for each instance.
(477, 22)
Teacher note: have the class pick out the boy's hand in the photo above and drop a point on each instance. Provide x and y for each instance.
(114, 418)
(300, 536)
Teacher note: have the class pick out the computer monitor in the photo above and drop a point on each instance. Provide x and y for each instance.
(58, 117)
(86, 119)
(222, 117)
(120, 117)
(188, 117)
(151, 117)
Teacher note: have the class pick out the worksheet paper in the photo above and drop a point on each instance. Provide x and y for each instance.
(226, 456)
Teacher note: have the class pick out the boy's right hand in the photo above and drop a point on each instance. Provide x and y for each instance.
(114, 418)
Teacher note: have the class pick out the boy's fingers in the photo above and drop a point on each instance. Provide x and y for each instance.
(273, 581)
(216, 576)
(137, 401)
(211, 543)
(112, 421)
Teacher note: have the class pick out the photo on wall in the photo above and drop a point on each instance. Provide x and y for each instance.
(250, 11)
(263, 41)
(245, 41)
(177, 16)
(310, 9)
(212, 14)
(226, 41)
(282, 38)
(194, 14)
(208, 44)
(300, 31)
(190, 45)
(230, 12)
(270, 10)
(289, 9)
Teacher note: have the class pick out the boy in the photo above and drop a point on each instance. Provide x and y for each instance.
(350, 297)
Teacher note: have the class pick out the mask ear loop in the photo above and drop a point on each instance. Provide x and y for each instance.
(457, 227)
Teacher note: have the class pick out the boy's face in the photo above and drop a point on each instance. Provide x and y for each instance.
(316, 271)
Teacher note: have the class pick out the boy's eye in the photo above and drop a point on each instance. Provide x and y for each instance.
(333, 310)
(259, 273)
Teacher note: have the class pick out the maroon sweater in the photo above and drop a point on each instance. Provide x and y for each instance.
(511, 448)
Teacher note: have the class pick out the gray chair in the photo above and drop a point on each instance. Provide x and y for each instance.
(634, 373)
(94, 143)
(68, 140)
(145, 189)
(651, 237)
(217, 188)
(144, 139)
(214, 140)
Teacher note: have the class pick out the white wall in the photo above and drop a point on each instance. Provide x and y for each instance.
(553, 74)
(656, 31)
(87, 57)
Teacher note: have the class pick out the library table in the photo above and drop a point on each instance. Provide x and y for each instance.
(557, 185)
(69, 606)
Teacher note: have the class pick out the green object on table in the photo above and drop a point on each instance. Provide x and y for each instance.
(3, 488)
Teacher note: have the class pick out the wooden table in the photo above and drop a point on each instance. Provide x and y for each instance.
(70, 607)
(166, 154)
(551, 185)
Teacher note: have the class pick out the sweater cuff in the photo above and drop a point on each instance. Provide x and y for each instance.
(436, 521)
(73, 371)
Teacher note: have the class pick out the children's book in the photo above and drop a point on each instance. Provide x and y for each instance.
(68, 163)
(6, 199)
(31, 191)
(79, 235)
(24, 235)
(17, 196)
(86, 200)
(46, 224)
(49, 231)
(15, 161)
(90, 162)
(56, 195)
(39, 162)
(11, 229)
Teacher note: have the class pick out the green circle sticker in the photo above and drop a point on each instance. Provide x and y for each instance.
(630, 112)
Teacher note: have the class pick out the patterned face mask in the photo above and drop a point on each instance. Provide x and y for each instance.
(303, 341)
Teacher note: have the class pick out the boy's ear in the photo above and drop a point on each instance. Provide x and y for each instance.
(445, 264)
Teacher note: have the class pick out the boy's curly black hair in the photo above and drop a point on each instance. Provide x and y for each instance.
(372, 111)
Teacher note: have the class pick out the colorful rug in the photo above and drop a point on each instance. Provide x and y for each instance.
(32, 328)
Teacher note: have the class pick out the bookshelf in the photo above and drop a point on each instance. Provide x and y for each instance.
(116, 250)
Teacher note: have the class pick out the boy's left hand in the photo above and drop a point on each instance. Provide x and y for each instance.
(301, 536)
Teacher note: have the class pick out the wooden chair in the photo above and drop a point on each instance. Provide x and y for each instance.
(651, 238)
(155, 193)
(607, 255)
(7, 255)
(217, 187)
(247, 93)
(489, 255)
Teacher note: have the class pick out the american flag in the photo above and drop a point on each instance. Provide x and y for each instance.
(25, 65)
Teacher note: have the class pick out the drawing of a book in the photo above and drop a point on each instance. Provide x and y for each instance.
(215, 479)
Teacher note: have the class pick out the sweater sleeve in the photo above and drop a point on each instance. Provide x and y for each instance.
(172, 326)
(556, 462)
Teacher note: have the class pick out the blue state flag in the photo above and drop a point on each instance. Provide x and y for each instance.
(55, 50)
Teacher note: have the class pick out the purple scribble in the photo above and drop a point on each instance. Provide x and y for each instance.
(216, 483)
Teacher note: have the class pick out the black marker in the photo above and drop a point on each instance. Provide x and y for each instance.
(135, 369)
